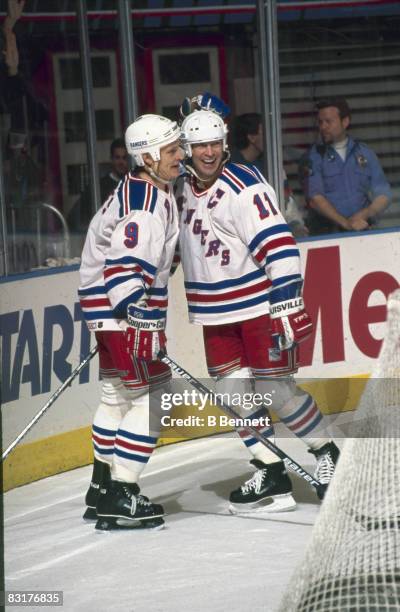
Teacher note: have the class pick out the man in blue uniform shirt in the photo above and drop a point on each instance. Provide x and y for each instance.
(343, 181)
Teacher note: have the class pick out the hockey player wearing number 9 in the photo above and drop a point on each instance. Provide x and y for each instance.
(243, 285)
(126, 262)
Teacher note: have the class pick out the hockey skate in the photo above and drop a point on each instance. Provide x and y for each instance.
(100, 478)
(120, 506)
(327, 457)
(269, 490)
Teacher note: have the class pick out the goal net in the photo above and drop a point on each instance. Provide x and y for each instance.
(352, 563)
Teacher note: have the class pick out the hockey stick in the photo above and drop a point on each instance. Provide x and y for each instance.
(288, 461)
(51, 401)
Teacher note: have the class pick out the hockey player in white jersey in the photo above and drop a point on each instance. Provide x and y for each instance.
(126, 262)
(243, 285)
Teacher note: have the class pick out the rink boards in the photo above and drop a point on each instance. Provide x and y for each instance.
(43, 338)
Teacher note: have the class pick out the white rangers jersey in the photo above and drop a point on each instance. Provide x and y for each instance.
(128, 253)
(238, 253)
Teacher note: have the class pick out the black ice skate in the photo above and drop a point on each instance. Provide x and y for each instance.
(100, 478)
(269, 490)
(120, 506)
(327, 457)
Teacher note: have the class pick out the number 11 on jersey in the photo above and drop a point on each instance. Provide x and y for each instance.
(262, 210)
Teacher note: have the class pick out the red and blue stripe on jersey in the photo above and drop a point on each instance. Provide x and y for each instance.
(273, 243)
(128, 269)
(125, 269)
(95, 304)
(228, 295)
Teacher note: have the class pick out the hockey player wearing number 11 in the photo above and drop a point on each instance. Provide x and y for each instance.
(243, 285)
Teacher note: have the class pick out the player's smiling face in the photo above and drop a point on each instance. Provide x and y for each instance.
(207, 158)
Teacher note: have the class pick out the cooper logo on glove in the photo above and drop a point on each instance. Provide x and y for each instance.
(145, 332)
(137, 321)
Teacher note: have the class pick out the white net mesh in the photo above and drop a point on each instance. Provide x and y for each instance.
(352, 563)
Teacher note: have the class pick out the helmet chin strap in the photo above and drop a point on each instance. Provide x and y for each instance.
(155, 176)
(203, 182)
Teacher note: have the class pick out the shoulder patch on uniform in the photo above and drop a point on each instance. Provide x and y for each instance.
(136, 194)
(239, 176)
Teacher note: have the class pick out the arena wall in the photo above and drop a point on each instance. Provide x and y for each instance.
(43, 338)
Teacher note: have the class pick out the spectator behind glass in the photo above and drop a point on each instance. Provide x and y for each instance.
(24, 179)
(28, 113)
(247, 140)
(248, 148)
(343, 182)
(81, 212)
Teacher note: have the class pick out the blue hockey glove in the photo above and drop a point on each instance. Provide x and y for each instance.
(205, 101)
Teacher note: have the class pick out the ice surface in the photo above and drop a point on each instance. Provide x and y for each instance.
(205, 558)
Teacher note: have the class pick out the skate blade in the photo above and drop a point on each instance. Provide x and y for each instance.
(278, 503)
(90, 514)
(113, 524)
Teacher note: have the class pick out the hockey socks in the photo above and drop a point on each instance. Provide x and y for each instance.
(110, 412)
(257, 449)
(134, 442)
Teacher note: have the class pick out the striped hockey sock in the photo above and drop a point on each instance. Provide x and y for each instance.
(110, 412)
(257, 449)
(133, 442)
(239, 382)
(303, 417)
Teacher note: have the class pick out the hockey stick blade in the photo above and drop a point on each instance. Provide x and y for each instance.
(51, 401)
(289, 462)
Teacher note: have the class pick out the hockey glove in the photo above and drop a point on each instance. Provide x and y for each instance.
(205, 101)
(290, 323)
(145, 332)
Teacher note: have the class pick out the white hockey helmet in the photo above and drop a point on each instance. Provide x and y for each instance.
(203, 126)
(148, 134)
